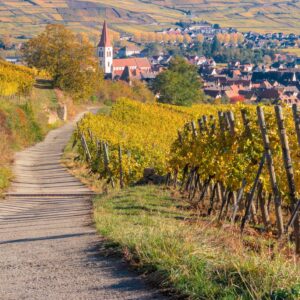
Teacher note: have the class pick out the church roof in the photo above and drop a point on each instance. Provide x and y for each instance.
(105, 38)
(139, 62)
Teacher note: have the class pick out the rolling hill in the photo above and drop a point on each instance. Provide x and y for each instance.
(28, 17)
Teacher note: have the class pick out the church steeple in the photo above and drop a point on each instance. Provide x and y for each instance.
(105, 38)
(105, 51)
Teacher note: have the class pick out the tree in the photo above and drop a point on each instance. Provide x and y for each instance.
(187, 38)
(241, 38)
(221, 38)
(152, 49)
(200, 38)
(7, 41)
(180, 38)
(179, 85)
(267, 59)
(234, 38)
(215, 46)
(68, 58)
(137, 36)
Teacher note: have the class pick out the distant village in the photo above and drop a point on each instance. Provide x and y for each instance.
(273, 81)
(250, 39)
(234, 82)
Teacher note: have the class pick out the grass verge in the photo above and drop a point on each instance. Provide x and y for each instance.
(158, 234)
(5, 177)
(23, 122)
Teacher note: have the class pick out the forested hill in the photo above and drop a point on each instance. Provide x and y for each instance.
(28, 16)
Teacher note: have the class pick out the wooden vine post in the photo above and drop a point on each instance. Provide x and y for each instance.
(252, 193)
(246, 124)
(295, 213)
(221, 122)
(238, 201)
(231, 122)
(194, 130)
(204, 120)
(180, 138)
(213, 124)
(99, 153)
(286, 155)
(271, 169)
(263, 207)
(121, 167)
(200, 125)
(106, 164)
(296, 115)
(86, 148)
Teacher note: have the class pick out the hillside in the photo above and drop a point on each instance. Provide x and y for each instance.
(27, 17)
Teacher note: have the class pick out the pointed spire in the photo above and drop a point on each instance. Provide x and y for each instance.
(105, 39)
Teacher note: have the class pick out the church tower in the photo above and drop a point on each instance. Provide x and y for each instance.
(105, 51)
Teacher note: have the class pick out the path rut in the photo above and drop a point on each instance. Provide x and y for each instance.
(49, 248)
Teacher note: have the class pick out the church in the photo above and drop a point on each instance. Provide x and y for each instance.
(122, 68)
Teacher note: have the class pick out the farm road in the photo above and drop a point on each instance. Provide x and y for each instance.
(49, 248)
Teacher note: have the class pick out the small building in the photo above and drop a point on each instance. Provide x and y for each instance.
(129, 51)
(13, 59)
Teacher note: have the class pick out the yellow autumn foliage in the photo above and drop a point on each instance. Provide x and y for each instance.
(15, 80)
(148, 135)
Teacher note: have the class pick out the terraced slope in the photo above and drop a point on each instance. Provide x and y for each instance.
(29, 16)
(260, 15)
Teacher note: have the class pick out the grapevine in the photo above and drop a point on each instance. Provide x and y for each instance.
(210, 151)
(15, 80)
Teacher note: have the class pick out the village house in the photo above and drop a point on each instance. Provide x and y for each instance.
(129, 51)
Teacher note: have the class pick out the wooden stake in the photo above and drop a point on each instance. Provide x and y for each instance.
(224, 201)
(238, 201)
(86, 148)
(221, 122)
(106, 164)
(185, 172)
(296, 115)
(212, 198)
(263, 205)
(231, 122)
(204, 189)
(204, 118)
(200, 125)
(252, 193)
(246, 122)
(270, 164)
(180, 138)
(194, 129)
(286, 155)
(213, 124)
(121, 168)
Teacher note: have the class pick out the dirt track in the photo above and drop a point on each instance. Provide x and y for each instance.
(48, 247)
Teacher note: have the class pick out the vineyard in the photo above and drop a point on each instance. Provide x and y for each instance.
(238, 164)
(15, 80)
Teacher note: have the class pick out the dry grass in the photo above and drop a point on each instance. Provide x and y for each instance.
(196, 258)
(158, 233)
(23, 122)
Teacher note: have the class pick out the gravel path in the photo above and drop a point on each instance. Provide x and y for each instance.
(48, 246)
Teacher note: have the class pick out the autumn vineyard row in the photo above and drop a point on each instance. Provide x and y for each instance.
(15, 80)
(235, 163)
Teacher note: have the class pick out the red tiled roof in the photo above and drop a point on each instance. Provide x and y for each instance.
(105, 39)
(138, 62)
